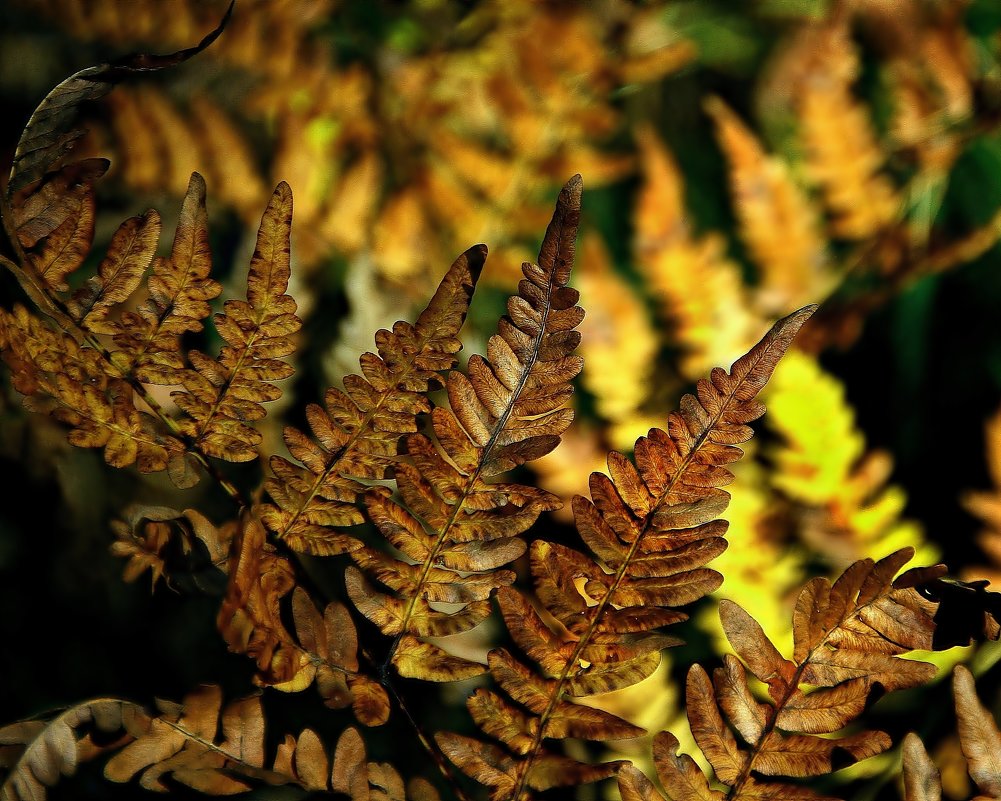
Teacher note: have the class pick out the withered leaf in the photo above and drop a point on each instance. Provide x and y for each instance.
(355, 433)
(51, 132)
(849, 638)
(652, 528)
(43, 751)
(978, 734)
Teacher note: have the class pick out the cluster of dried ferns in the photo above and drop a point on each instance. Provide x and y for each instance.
(403, 486)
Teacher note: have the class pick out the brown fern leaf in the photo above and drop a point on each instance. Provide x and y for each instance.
(37, 176)
(183, 745)
(51, 132)
(325, 648)
(847, 640)
(61, 377)
(129, 255)
(357, 431)
(198, 743)
(651, 529)
(508, 410)
(250, 616)
(978, 735)
(922, 781)
(35, 753)
(56, 223)
(179, 292)
(221, 395)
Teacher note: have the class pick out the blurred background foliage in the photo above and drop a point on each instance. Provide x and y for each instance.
(741, 158)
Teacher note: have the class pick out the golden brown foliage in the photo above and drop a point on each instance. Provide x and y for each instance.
(198, 743)
(651, 528)
(979, 738)
(508, 410)
(848, 638)
(410, 484)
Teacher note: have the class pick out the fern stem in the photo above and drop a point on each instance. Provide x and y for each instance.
(428, 742)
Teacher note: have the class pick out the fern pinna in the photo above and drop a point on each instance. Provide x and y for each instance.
(848, 638)
(454, 528)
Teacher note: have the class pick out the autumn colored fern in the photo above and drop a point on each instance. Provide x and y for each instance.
(651, 529)
(848, 638)
(399, 512)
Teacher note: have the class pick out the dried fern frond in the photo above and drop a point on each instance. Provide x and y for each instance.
(180, 289)
(651, 529)
(59, 376)
(699, 289)
(979, 739)
(848, 640)
(94, 389)
(843, 156)
(220, 396)
(922, 781)
(978, 734)
(357, 431)
(454, 527)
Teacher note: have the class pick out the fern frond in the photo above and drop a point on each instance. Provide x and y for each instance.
(325, 648)
(507, 411)
(36, 753)
(652, 528)
(357, 431)
(179, 293)
(978, 734)
(922, 781)
(699, 289)
(221, 395)
(129, 255)
(777, 220)
(842, 154)
(848, 638)
(979, 738)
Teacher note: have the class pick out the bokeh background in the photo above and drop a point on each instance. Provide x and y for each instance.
(740, 159)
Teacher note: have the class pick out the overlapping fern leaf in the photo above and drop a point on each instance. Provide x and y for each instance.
(455, 529)
(651, 529)
(199, 744)
(324, 649)
(848, 638)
